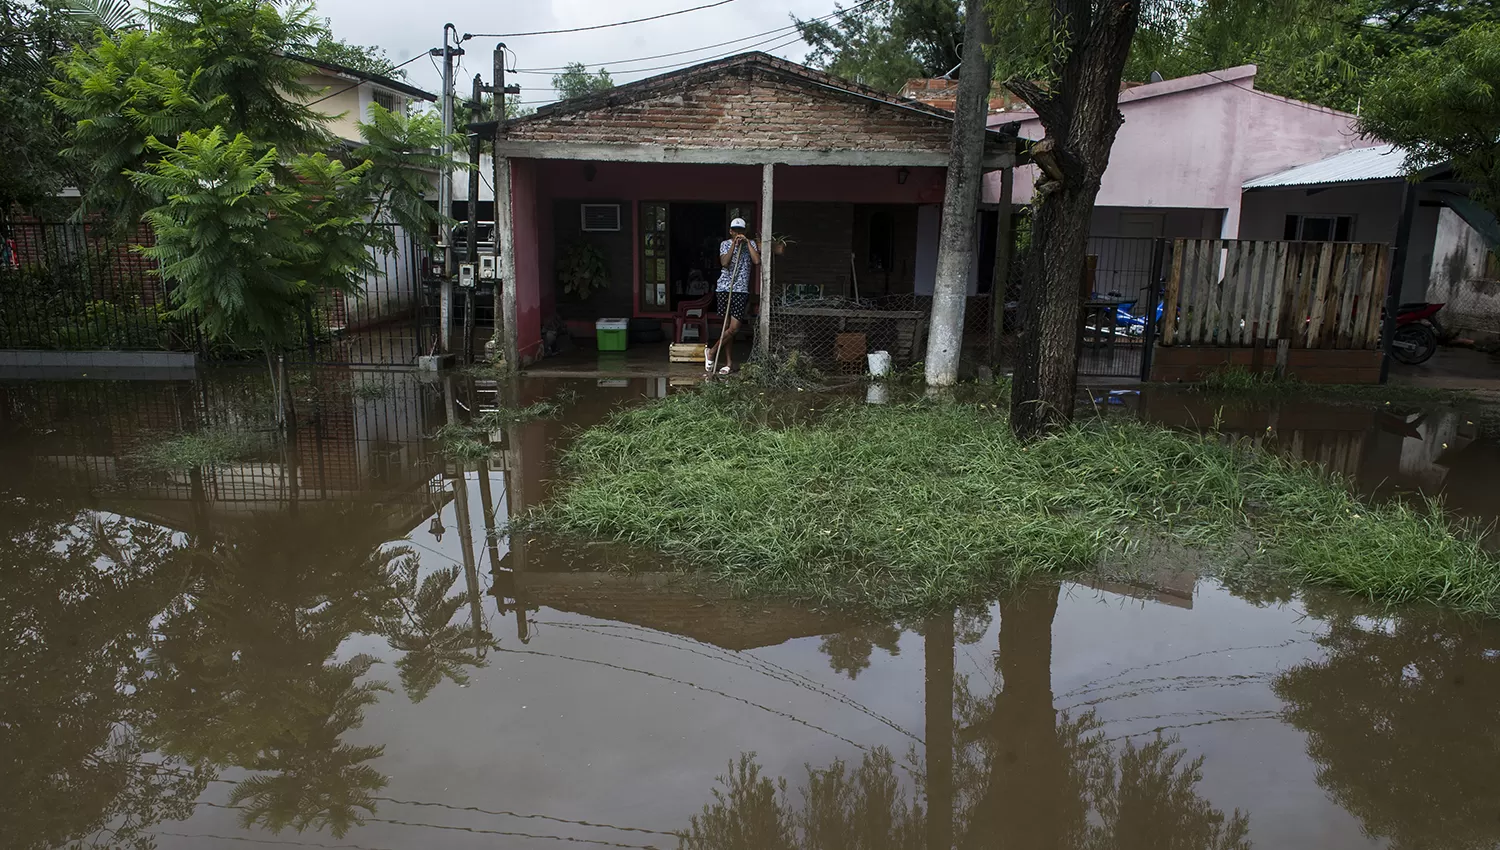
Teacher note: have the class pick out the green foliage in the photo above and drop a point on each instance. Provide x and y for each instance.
(369, 59)
(203, 64)
(469, 441)
(576, 81)
(248, 255)
(581, 270)
(400, 153)
(886, 43)
(1441, 104)
(32, 133)
(909, 507)
(209, 448)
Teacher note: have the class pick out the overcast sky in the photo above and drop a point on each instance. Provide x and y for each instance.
(406, 29)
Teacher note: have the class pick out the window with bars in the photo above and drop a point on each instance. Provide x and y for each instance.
(386, 100)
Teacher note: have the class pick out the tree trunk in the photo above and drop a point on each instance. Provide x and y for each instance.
(1080, 115)
(960, 202)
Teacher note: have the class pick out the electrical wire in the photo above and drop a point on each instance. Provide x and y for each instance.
(361, 82)
(836, 14)
(468, 35)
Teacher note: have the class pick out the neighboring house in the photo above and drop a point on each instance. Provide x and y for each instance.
(1188, 145)
(346, 95)
(1357, 196)
(650, 173)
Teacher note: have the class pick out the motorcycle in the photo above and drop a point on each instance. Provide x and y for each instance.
(1417, 330)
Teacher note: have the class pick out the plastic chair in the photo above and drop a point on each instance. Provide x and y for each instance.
(693, 314)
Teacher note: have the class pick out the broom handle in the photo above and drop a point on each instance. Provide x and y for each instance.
(734, 273)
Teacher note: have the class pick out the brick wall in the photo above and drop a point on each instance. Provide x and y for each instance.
(744, 106)
(822, 235)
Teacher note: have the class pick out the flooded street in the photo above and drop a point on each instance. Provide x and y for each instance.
(340, 645)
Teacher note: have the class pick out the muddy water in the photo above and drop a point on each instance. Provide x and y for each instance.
(339, 646)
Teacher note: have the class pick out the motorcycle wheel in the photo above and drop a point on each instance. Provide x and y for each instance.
(1413, 344)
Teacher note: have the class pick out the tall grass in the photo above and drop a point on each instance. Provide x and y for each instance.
(926, 504)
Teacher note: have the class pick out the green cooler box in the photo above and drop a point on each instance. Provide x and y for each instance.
(612, 334)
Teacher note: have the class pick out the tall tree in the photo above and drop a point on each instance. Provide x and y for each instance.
(1441, 104)
(370, 59)
(1066, 64)
(203, 64)
(576, 81)
(960, 202)
(32, 132)
(885, 43)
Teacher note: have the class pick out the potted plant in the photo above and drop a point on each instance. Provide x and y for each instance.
(582, 270)
(779, 241)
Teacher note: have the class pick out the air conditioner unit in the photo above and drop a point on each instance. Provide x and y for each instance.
(487, 266)
(598, 218)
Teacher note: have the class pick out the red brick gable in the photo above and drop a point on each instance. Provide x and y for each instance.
(748, 102)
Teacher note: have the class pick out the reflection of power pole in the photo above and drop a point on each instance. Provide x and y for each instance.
(515, 502)
(938, 645)
(466, 540)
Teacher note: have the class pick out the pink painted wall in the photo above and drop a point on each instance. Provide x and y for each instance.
(1193, 142)
(529, 307)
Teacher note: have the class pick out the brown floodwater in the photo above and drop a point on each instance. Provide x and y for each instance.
(338, 645)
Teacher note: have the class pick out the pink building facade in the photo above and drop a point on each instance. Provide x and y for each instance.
(1186, 149)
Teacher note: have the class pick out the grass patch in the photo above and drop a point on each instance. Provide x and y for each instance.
(211, 447)
(1237, 381)
(927, 504)
(469, 441)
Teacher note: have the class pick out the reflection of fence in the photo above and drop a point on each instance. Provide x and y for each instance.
(1239, 293)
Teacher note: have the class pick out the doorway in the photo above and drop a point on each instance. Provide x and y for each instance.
(697, 231)
(680, 250)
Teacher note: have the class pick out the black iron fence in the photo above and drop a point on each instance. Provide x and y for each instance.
(81, 287)
(78, 287)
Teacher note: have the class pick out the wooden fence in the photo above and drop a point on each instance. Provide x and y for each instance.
(1237, 293)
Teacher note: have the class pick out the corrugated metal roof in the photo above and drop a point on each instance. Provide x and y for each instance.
(1381, 162)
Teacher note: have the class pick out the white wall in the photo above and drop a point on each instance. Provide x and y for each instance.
(1457, 272)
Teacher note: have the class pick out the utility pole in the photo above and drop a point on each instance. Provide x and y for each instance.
(471, 248)
(445, 193)
(960, 200)
(506, 342)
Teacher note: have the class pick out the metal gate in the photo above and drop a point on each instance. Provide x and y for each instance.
(382, 326)
(1119, 315)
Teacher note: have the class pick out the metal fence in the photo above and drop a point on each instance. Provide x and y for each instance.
(80, 287)
(76, 286)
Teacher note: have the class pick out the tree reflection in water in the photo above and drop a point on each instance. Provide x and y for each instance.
(1401, 718)
(1022, 774)
(161, 659)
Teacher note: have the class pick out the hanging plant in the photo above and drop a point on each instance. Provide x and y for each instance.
(582, 270)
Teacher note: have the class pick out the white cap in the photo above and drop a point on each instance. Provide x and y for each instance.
(737, 224)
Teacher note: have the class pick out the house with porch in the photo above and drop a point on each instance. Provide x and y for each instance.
(647, 175)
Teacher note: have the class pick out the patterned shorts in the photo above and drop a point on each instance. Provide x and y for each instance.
(739, 304)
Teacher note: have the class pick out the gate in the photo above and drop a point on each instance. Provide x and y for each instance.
(1122, 291)
(383, 325)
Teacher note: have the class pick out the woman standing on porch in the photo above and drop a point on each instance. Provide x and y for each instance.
(733, 291)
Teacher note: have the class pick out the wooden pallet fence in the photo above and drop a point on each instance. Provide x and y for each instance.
(1240, 293)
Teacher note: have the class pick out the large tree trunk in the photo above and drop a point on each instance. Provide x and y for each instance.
(960, 202)
(1080, 115)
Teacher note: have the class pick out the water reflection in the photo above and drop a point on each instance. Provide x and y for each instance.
(998, 769)
(347, 642)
